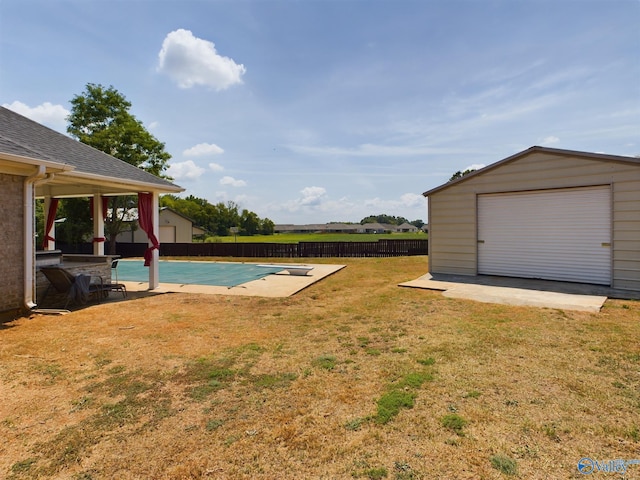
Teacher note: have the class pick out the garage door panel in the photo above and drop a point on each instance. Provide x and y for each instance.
(554, 234)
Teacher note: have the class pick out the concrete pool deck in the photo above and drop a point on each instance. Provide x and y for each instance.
(281, 284)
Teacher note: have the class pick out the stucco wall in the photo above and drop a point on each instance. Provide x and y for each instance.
(11, 242)
(453, 210)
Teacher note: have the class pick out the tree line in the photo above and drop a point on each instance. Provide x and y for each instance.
(391, 220)
(219, 219)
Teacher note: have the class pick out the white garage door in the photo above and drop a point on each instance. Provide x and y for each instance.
(552, 234)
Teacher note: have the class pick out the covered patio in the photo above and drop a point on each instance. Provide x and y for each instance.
(51, 166)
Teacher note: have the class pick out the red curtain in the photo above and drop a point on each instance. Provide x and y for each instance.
(145, 219)
(51, 216)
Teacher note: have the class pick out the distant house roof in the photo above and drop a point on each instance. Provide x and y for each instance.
(131, 214)
(406, 226)
(378, 226)
(553, 151)
(22, 138)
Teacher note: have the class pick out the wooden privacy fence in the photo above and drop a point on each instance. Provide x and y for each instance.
(381, 248)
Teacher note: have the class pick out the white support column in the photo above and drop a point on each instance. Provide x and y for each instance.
(98, 225)
(154, 268)
(49, 244)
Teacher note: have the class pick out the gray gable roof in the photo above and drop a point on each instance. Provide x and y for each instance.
(26, 138)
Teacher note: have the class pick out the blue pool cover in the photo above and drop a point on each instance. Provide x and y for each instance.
(196, 273)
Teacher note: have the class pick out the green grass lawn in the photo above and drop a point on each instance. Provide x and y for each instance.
(321, 237)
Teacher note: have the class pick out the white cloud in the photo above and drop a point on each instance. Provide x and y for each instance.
(53, 116)
(396, 206)
(191, 61)
(153, 125)
(317, 203)
(368, 150)
(550, 140)
(216, 167)
(203, 149)
(232, 181)
(312, 195)
(185, 170)
(412, 200)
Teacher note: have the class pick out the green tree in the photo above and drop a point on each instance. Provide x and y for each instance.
(77, 224)
(100, 117)
(460, 174)
(249, 223)
(219, 218)
(267, 227)
(383, 218)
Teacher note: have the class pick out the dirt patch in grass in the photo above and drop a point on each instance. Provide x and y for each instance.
(352, 378)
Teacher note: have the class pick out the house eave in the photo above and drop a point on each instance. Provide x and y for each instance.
(79, 184)
(21, 165)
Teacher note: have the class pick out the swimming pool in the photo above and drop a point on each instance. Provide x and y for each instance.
(196, 273)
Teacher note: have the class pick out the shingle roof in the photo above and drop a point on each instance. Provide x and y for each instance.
(24, 137)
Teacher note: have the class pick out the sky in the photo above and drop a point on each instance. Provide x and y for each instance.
(316, 111)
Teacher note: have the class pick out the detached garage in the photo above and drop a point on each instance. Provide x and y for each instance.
(542, 213)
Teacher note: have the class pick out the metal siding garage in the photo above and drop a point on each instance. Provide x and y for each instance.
(167, 234)
(562, 234)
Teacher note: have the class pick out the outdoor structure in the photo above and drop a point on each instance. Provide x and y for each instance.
(541, 213)
(36, 161)
(174, 228)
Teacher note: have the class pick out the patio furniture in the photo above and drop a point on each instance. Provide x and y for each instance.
(117, 287)
(78, 288)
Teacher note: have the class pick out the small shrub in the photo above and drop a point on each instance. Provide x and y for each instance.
(455, 423)
(504, 464)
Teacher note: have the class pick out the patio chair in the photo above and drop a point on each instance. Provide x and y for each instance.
(78, 288)
(117, 287)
